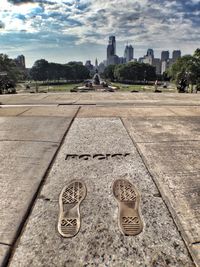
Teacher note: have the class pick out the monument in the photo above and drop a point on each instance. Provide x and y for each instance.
(95, 84)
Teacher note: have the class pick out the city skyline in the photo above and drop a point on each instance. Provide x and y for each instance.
(62, 31)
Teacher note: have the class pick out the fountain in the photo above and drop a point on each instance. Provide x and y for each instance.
(95, 84)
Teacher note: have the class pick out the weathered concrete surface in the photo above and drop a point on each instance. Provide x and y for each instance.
(171, 149)
(12, 111)
(99, 241)
(27, 147)
(43, 129)
(23, 165)
(3, 253)
(186, 111)
(53, 111)
(163, 128)
(195, 249)
(176, 170)
(116, 111)
(104, 98)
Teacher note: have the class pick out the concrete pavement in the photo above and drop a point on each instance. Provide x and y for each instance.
(161, 134)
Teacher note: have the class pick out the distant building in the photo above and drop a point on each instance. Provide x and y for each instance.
(101, 67)
(122, 60)
(112, 42)
(164, 55)
(157, 64)
(166, 64)
(128, 53)
(175, 55)
(112, 58)
(89, 65)
(20, 62)
(140, 60)
(150, 53)
(149, 59)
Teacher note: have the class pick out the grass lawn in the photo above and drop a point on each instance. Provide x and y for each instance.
(131, 87)
(141, 88)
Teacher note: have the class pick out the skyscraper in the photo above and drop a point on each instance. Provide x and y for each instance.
(150, 53)
(176, 54)
(128, 53)
(112, 58)
(112, 42)
(20, 61)
(164, 55)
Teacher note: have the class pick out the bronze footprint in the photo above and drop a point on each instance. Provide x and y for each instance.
(69, 220)
(128, 199)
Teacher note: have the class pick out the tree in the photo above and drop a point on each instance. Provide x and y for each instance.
(109, 72)
(9, 67)
(131, 72)
(186, 67)
(40, 70)
(80, 72)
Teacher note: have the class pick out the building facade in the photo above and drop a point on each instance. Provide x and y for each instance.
(128, 53)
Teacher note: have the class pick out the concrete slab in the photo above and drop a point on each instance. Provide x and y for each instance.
(3, 253)
(196, 252)
(43, 129)
(186, 111)
(23, 165)
(58, 111)
(12, 111)
(87, 112)
(175, 168)
(99, 241)
(163, 129)
(107, 98)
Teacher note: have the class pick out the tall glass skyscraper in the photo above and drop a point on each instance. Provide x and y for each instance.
(128, 53)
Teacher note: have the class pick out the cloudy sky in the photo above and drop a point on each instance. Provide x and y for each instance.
(65, 30)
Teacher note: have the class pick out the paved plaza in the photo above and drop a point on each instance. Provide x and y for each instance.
(156, 138)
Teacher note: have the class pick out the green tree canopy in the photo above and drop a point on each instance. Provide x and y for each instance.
(132, 71)
(42, 70)
(9, 67)
(109, 72)
(187, 67)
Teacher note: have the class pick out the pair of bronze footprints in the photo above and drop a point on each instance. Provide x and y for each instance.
(73, 194)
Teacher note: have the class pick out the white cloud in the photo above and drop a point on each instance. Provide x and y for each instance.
(153, 23)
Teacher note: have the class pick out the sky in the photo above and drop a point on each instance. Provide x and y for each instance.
(77, 30)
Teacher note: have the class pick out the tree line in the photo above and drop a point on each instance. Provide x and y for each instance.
(130, 72)
(43, 70)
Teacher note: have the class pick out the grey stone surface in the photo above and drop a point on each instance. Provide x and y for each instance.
(3, 253)
(196, 252)
(117, 111)
(163, 129)
(186, 111)
(12, 111)
(23, 165)
(107, 98)
(58, 111)
(49, 129)
(99, 242)
(175, 168)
